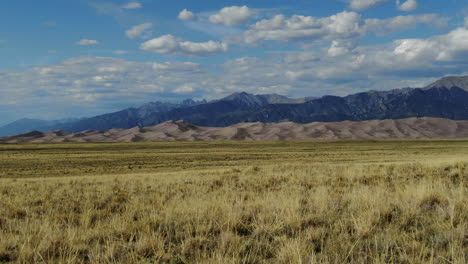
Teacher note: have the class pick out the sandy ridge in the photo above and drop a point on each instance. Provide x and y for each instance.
(411, 128)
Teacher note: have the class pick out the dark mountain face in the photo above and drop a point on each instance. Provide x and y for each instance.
(263, 99)
(207, 113)
(157, 107)
(451, 103)
(127, 118)
(446, 98)
(246, 100)
(436, 102)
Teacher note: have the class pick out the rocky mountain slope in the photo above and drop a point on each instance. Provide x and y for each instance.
(412, 128)
(446, 98)
(451, 81)
(433, 101)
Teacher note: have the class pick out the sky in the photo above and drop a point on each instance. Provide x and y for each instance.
(61, 59)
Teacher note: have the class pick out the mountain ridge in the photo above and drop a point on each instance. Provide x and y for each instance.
(411, 128)
(445, 98)
(129, 114)
(449, 82)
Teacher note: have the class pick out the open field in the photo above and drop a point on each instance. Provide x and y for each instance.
(235, 202)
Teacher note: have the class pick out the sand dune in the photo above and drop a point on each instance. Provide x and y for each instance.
(412, 128)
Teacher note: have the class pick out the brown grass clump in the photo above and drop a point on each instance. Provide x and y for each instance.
(295, 212)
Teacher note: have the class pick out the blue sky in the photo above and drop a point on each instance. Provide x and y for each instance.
(81, 58)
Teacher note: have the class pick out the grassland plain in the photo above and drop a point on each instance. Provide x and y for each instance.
(235, 202)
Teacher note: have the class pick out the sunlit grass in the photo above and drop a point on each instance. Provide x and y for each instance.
(287, 202)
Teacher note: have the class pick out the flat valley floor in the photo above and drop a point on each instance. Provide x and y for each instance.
(391, 201)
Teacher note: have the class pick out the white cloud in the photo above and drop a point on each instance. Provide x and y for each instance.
(186, 88)
(186, 15)
(99, 79)
(132, 5)
(414, 58)
(466, 22)
(364, 4)
(169, 44)
(177, 67)
(139, 31)
(369, 67)
(399, 23)
(85, 42)
(341, 25)
(203, 48)
(411, 49)
(409, 5)
(345, 68)
(231, 16)
(450, 47)
(163, 44)
(344, 30)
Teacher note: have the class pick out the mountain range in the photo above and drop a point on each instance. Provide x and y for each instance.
(446, 98)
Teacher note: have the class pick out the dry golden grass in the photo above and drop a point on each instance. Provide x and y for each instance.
(329, 202)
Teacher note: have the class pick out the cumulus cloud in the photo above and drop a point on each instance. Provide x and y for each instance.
(411, 58)
(101, 82)
(169, 44)
(450, 47)
(202, 48)
(393, 65)
(399, 23)
(409, 5)
(341, 25)
(163, 44)
(132, 5)
(364, 4)
(142, 30)
(231, 16)
(344, 30)
(85, 42)
(186, 15)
